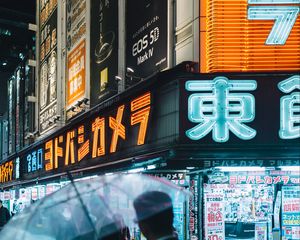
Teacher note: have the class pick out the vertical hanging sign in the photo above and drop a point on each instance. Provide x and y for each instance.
(76, 55)
(104, 49)
(214, 215)
(146, 38)
(48, 64)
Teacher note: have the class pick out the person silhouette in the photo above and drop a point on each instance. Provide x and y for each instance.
(154, 211)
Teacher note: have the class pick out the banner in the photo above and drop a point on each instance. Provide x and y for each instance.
(214, 216)
(261, 231)
(290, 212)
(76, 55)
(104, 49)
(194, 207)
(48, 65)
(76, 74)
(147, 37)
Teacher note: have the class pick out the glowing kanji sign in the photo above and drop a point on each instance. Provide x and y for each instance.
(290, 108)
(219, 110)
(284, 16)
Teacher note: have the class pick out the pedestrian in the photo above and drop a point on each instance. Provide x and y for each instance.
(125, 232)
(4, 215)
(154, 211)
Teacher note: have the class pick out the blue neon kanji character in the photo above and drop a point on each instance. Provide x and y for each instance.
(219, 109)
(290, 108)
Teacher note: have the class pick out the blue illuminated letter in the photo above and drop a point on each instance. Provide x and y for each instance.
(290, 108)
(221, 110)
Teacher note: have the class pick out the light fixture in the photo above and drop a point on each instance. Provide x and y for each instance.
(136, 170)
(190, 168)
(118, 78)
(129, 70)
(290, 168)
(29, 135)
(73, 109)
(241, 169)
(56, 118)
(108, 174)
(4, 63)
(150, 167)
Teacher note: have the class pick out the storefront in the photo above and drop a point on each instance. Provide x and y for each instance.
(185, 126)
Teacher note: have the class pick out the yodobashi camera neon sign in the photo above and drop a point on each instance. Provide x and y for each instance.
(76, 144)
(221, 106)
(284, 15)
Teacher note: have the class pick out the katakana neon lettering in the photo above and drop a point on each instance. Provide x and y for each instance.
(219, 109)
(290, 108)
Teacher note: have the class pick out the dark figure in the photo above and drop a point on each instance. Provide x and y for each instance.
(4, 215)
(155, 215)
(125, 233)
(111, 232)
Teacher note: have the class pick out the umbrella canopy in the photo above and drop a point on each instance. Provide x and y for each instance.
(89, 209)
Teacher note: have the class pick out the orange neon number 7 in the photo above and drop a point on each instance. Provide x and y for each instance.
(141, 108)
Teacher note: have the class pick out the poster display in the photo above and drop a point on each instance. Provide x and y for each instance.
(146, 38)
(76, 76)
(76, 54)
(247, 212)
(104, 49)
(193, 224)
(48, 65)
(214, 216)
(290, 212)
(261, 231)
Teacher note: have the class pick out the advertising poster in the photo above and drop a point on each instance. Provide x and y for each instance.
(214, 216)
(146, 38)
(194, 208)
(291, 212)
(261, 231)
(76, 75)
(104, 49)
(76, 53)
(48, 65)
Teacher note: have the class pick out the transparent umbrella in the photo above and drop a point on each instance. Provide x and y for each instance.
(89, 209)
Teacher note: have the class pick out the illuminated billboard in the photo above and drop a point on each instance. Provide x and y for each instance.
(249, 109)
(48, 64)
(249, 35)
(76, 55)
(146, 36)
(104, 50)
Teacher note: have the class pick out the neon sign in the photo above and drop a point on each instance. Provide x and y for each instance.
(220, 110)
(290, 108)
(35, 160)
(6, 172)
(219, 106)
(73, 146)
(284, 16)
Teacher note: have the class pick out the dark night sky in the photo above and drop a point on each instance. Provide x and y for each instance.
(23, 6)
(14, 17)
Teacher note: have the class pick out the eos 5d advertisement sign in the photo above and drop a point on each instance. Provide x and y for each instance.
(146, 50)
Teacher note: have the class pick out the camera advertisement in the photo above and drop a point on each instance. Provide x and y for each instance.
(146, 50)
(104, 49)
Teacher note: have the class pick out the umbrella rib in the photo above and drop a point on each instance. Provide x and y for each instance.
(82, 203)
